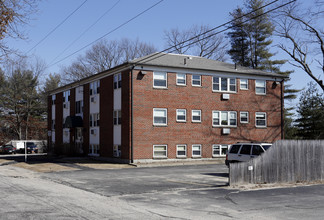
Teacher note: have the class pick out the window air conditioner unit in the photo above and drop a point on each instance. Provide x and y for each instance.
(225, 96)
(226, 130)
(94, 99)
(93, 131)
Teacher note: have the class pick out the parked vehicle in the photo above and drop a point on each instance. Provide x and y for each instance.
(31, 148)
(241, 152)
(20, 145)
(8, 149)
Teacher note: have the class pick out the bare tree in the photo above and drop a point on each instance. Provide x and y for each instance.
(198, 41)
(13, 15)
(105, 55)
(303, 33)
(177, 40)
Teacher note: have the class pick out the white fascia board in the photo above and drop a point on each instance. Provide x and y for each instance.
(206, 72)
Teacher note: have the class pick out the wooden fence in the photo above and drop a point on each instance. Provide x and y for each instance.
(287, 161)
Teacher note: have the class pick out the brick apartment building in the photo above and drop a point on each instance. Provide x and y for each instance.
(165, 107)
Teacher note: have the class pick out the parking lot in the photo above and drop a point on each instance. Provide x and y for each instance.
(92, 190)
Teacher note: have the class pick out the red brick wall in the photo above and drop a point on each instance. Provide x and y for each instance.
(72, 113)
(58, 148)
(106, 116)
(126, 117)
(49, 119)
(86, 110)
(199, 98)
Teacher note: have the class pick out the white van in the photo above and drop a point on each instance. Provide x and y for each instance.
(241, 152)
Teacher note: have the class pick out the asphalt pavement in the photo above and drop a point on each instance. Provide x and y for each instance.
(178, 192)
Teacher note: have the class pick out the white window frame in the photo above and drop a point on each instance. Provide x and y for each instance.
(117, 81)
(117, 117)
(166, 116)
(166, 79)
(265, 119)
(53, 99)
(228, 84)
(53, 124)
(264, 86)
(185, 150)
(247, 116)
(159, 156)
(94, 88)
(220, 119)
(94, 120)
(192, 115)
(79, 107)
(185, 115)
(245, 83)
(94, 149)
(66, 96)
(192, 80)
(192, 150)
(185, 79)
(220, 147)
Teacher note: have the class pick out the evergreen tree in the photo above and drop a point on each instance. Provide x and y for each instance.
(20, 101)
(310, 122)
(259, 30)
(238, 37)
(250, 40)
(52, 82)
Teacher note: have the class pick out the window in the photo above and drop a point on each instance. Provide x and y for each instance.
(94, 87)
(181, 79)
(244, 117)
(196, 115)
(160, 116)
(53, 124)
(78, 107)
(257, 150)
(53, 99)
(196, 80)
(219, 150)
(246, 149)
(244, 84)
(117, 117)
(117, 81)
(196, 150)
(94, 120)
(260, 87)
(222, 84)
(181, 150)
(94, 149)
(235, 149)
(160, 151)
(181, 115)
(66, 96)
(160, 80)
(260, 119)
(224, 118)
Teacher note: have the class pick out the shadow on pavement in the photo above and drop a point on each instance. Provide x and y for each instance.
(217, 174)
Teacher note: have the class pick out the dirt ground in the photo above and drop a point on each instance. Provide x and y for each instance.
(65, 164)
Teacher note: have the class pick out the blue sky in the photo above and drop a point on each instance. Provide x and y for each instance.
(149, 27)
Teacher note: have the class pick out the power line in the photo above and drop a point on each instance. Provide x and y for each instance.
(158, 55)
(123, 24)
(93, 24)
(54, 29)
